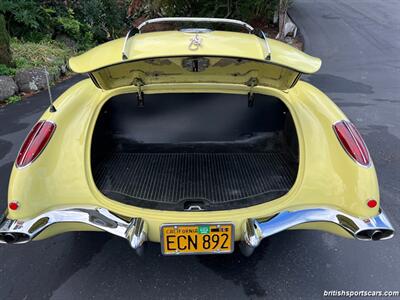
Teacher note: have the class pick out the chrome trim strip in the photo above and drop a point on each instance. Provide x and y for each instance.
(24, 231)
(197, 20)
(254, 230)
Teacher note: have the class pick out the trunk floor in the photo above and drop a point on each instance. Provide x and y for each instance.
(176, 181)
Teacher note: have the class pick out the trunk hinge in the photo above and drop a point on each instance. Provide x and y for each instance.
(140, 96)
(250, 96)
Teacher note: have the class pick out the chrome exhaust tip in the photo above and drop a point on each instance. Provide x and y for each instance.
(13, 238)
(9, 238)
(374, 234)
(377, 235)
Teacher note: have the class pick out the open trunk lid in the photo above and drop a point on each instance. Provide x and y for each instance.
(194, 57)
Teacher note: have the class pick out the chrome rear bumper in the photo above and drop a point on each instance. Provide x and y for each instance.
(135, 230)
(23, 231)
(375, 228)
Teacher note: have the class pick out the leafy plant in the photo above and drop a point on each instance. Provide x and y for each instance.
(85, 22)
(88, 22)
(255, 9)
(4, 70)
(70, 25)
(246, 10)
(25, 17)
(49, 54)
(106, 19)
(13, 99)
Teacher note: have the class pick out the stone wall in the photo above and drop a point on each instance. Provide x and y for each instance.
(27, 81)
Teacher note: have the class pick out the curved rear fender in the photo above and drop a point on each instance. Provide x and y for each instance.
(42, 184)
(330, 174)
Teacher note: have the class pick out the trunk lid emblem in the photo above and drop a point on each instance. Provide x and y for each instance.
(195, 43)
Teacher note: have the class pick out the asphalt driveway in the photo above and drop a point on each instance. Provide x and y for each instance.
(358, 43)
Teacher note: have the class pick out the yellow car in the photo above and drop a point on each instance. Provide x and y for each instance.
(195, 139)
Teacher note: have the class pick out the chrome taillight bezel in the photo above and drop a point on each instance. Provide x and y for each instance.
(348, 125)
(22, 166)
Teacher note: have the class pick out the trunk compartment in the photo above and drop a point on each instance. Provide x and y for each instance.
(191, 151)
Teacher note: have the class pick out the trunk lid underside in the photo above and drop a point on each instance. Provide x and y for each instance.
(221, 57)
(195, 70)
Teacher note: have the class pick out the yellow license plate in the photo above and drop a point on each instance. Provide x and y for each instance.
(197, 239)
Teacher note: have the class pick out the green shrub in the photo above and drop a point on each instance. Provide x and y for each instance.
(89, 22)
(27, 18)
(106, 19)
(256, 9)
(4, 70)
(13, 99)
(246, 10)
(49, 54)
(71, 26)
(86, 41)
(86, 21)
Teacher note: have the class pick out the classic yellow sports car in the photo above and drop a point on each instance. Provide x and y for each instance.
(193, 138)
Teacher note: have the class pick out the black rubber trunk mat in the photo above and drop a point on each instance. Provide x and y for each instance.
(179, 181)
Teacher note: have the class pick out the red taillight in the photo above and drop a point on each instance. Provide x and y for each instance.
(372, 203)
(352, 142)
(13, 205)
(35, 142)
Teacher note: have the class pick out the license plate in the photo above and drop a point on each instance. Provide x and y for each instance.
(197, 239)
